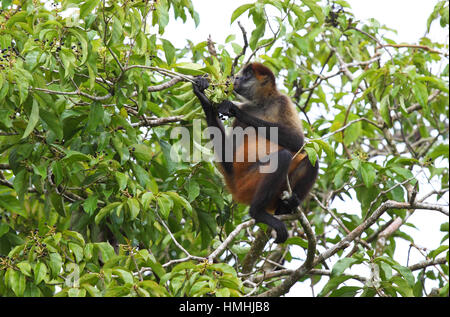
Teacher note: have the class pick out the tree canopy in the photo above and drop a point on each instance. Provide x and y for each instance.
(97, 197)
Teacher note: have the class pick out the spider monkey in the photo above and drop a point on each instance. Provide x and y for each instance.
(264, 107)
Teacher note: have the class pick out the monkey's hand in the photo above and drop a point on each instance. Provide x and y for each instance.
(226, 108)
(200, 84)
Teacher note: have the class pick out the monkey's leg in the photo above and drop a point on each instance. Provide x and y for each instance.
(288, 206)
(268, 189)
(304, 177)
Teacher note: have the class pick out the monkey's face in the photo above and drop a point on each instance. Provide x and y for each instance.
(245, 83)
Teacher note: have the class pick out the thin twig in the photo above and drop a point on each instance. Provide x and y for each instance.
(244, 48)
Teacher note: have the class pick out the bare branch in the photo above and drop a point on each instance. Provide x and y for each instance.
(304, 269)
(426, 263)
(160, 87)
(229, 239)
(189, 256)
(284, 287)
(157, 122)
(422, 47)
(238, 229)
(72, 93)
(244, 48)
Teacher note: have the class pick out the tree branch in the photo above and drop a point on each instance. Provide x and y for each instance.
(157, 122)
(285, 286)
(244, 48)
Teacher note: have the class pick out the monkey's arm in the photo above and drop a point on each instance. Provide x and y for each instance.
(286, 137)
(213, 120)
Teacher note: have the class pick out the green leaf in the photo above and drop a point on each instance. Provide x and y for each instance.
(25, 268)
(105, 211)
(332, 284)
(34, 118)
(316, 9)
(165, 205)
(180, 200)
(440, 150)
(169, 51)
(345, 291)
(117, 31)
(384, 110)
(118, 291)
(189, 69)
(342, 265)
(125, 276)
(88, 7)
(193, 189)
(82, 40)
(257, 34)
(40, 272)
(326, 147)
(146, 199)
(77, 250)
(240, 10)
(6, 4)
(421, 94)
(142, 152)
(4, 228)
(55, 263)
(74, 156)
(134, 206)
(312, 155)
(95, 118)
(121, 179)
(76, 292)
(52, 121)
(297, 241)
(403, 172)
(162, 10)
(90, 204)
(74, 235)
(368, 173)
(20, 183)
(433, 254)
(57, 203)
(17, 282)
(403, 286)
(106, 250)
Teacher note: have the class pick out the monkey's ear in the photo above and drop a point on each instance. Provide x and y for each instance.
(263, 73)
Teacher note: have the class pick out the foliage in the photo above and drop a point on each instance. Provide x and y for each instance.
(94, 203)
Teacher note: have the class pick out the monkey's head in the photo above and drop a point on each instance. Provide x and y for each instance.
(254, 81)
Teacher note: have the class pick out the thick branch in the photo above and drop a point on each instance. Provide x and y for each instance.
(253, 254)
(285, 286)
(160, 87)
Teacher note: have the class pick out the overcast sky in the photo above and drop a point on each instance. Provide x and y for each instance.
(408, 17)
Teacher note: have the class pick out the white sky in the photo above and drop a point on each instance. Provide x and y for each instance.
(409, 18)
